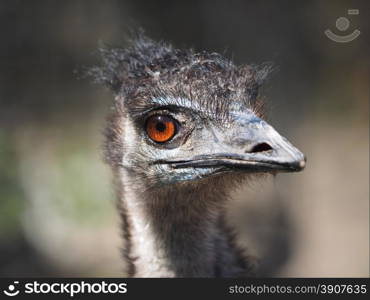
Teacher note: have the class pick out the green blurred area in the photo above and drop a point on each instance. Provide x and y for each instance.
(11, 204)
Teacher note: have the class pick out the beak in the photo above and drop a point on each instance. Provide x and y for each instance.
(252, 146)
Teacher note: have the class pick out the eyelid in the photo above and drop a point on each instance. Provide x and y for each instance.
(150, 110)
(171, 110)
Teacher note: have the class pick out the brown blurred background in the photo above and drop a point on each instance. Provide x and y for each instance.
(57, 213)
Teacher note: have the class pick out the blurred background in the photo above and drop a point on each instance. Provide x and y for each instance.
(57, 214)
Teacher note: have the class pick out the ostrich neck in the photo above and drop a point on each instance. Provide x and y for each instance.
(172, 231)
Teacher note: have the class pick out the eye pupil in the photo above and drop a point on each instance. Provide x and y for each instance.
(160, 126)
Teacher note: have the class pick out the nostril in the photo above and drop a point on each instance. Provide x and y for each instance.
(261, 148)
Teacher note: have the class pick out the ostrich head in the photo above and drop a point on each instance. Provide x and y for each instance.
(180, 116)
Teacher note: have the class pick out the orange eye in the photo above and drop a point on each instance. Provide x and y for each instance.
(161, 128)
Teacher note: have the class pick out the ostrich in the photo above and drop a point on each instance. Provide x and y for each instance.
(185, 129)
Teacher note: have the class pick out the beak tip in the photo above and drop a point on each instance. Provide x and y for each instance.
(302, 163)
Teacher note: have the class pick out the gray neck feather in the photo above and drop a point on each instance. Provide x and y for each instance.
(177, 231)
